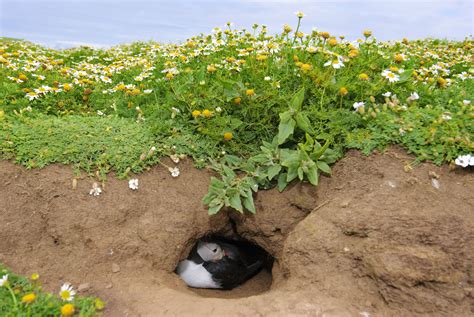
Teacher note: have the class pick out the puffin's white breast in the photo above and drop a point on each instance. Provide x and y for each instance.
(195, 275)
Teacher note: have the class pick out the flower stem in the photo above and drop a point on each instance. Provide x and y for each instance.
(15, 302)
(296, 32)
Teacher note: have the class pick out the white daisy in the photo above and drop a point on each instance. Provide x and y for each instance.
(106, 79)
(414, 96)
(357, 105)
(96, 190)
(390, 76)
(446, 116)
(67, 293)
(465, 160)
(133, 184)
(148, 91)
(4, 280)
(466, 102)
(32, 95)
(387, 94)
(463, 76)
(336, 63)
(174, 171)
(43, 90)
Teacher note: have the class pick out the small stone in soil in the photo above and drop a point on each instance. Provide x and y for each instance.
(115, 268)
(344, 204)
(435, 183)
(391, 184)
(83, 287)
(108, 286)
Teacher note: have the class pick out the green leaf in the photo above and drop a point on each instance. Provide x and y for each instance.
(300, 173)
(228, 171)
(285, 129)
(235, 123)
(285, 116)
(303, 122)
(298, 99)
(249, 204)
(273, 171)
(235, 202)
(260, 158)
(313, 176)
(207, 199)
(316, 155)
(282, 182)
(215, 209)
(405, 76)
(232, 160)
(216, 183)
(292, 173)
(323, 166)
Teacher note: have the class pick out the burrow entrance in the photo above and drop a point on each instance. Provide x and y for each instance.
(259, 283)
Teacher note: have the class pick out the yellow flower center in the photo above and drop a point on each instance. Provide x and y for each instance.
(65, 295)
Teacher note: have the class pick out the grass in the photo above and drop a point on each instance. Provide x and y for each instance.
(262, 110)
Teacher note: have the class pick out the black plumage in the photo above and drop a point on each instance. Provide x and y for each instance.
(240, 262)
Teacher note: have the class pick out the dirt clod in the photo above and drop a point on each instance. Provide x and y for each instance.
(115, 268)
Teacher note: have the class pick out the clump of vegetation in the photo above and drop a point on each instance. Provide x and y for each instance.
(262, 110)
(20, 296)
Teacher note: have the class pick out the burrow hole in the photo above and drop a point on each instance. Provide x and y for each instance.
(257, 284)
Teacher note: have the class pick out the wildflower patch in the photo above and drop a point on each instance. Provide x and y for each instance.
(262, 110)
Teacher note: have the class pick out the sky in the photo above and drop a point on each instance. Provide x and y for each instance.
(68, 23)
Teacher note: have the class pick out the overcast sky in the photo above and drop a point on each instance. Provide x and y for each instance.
(66, 23)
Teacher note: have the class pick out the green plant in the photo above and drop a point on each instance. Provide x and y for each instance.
(279, 160)
(20, 296)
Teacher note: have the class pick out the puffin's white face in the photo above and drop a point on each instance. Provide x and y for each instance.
(210, 251)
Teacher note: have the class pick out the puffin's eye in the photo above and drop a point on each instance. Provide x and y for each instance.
(215, 250)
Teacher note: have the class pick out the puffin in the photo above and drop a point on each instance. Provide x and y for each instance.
(219, 264)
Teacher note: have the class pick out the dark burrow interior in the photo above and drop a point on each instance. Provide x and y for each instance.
(258, 283)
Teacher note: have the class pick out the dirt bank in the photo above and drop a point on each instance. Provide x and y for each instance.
(372, 238)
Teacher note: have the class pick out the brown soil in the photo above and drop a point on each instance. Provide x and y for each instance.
(372, 238)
